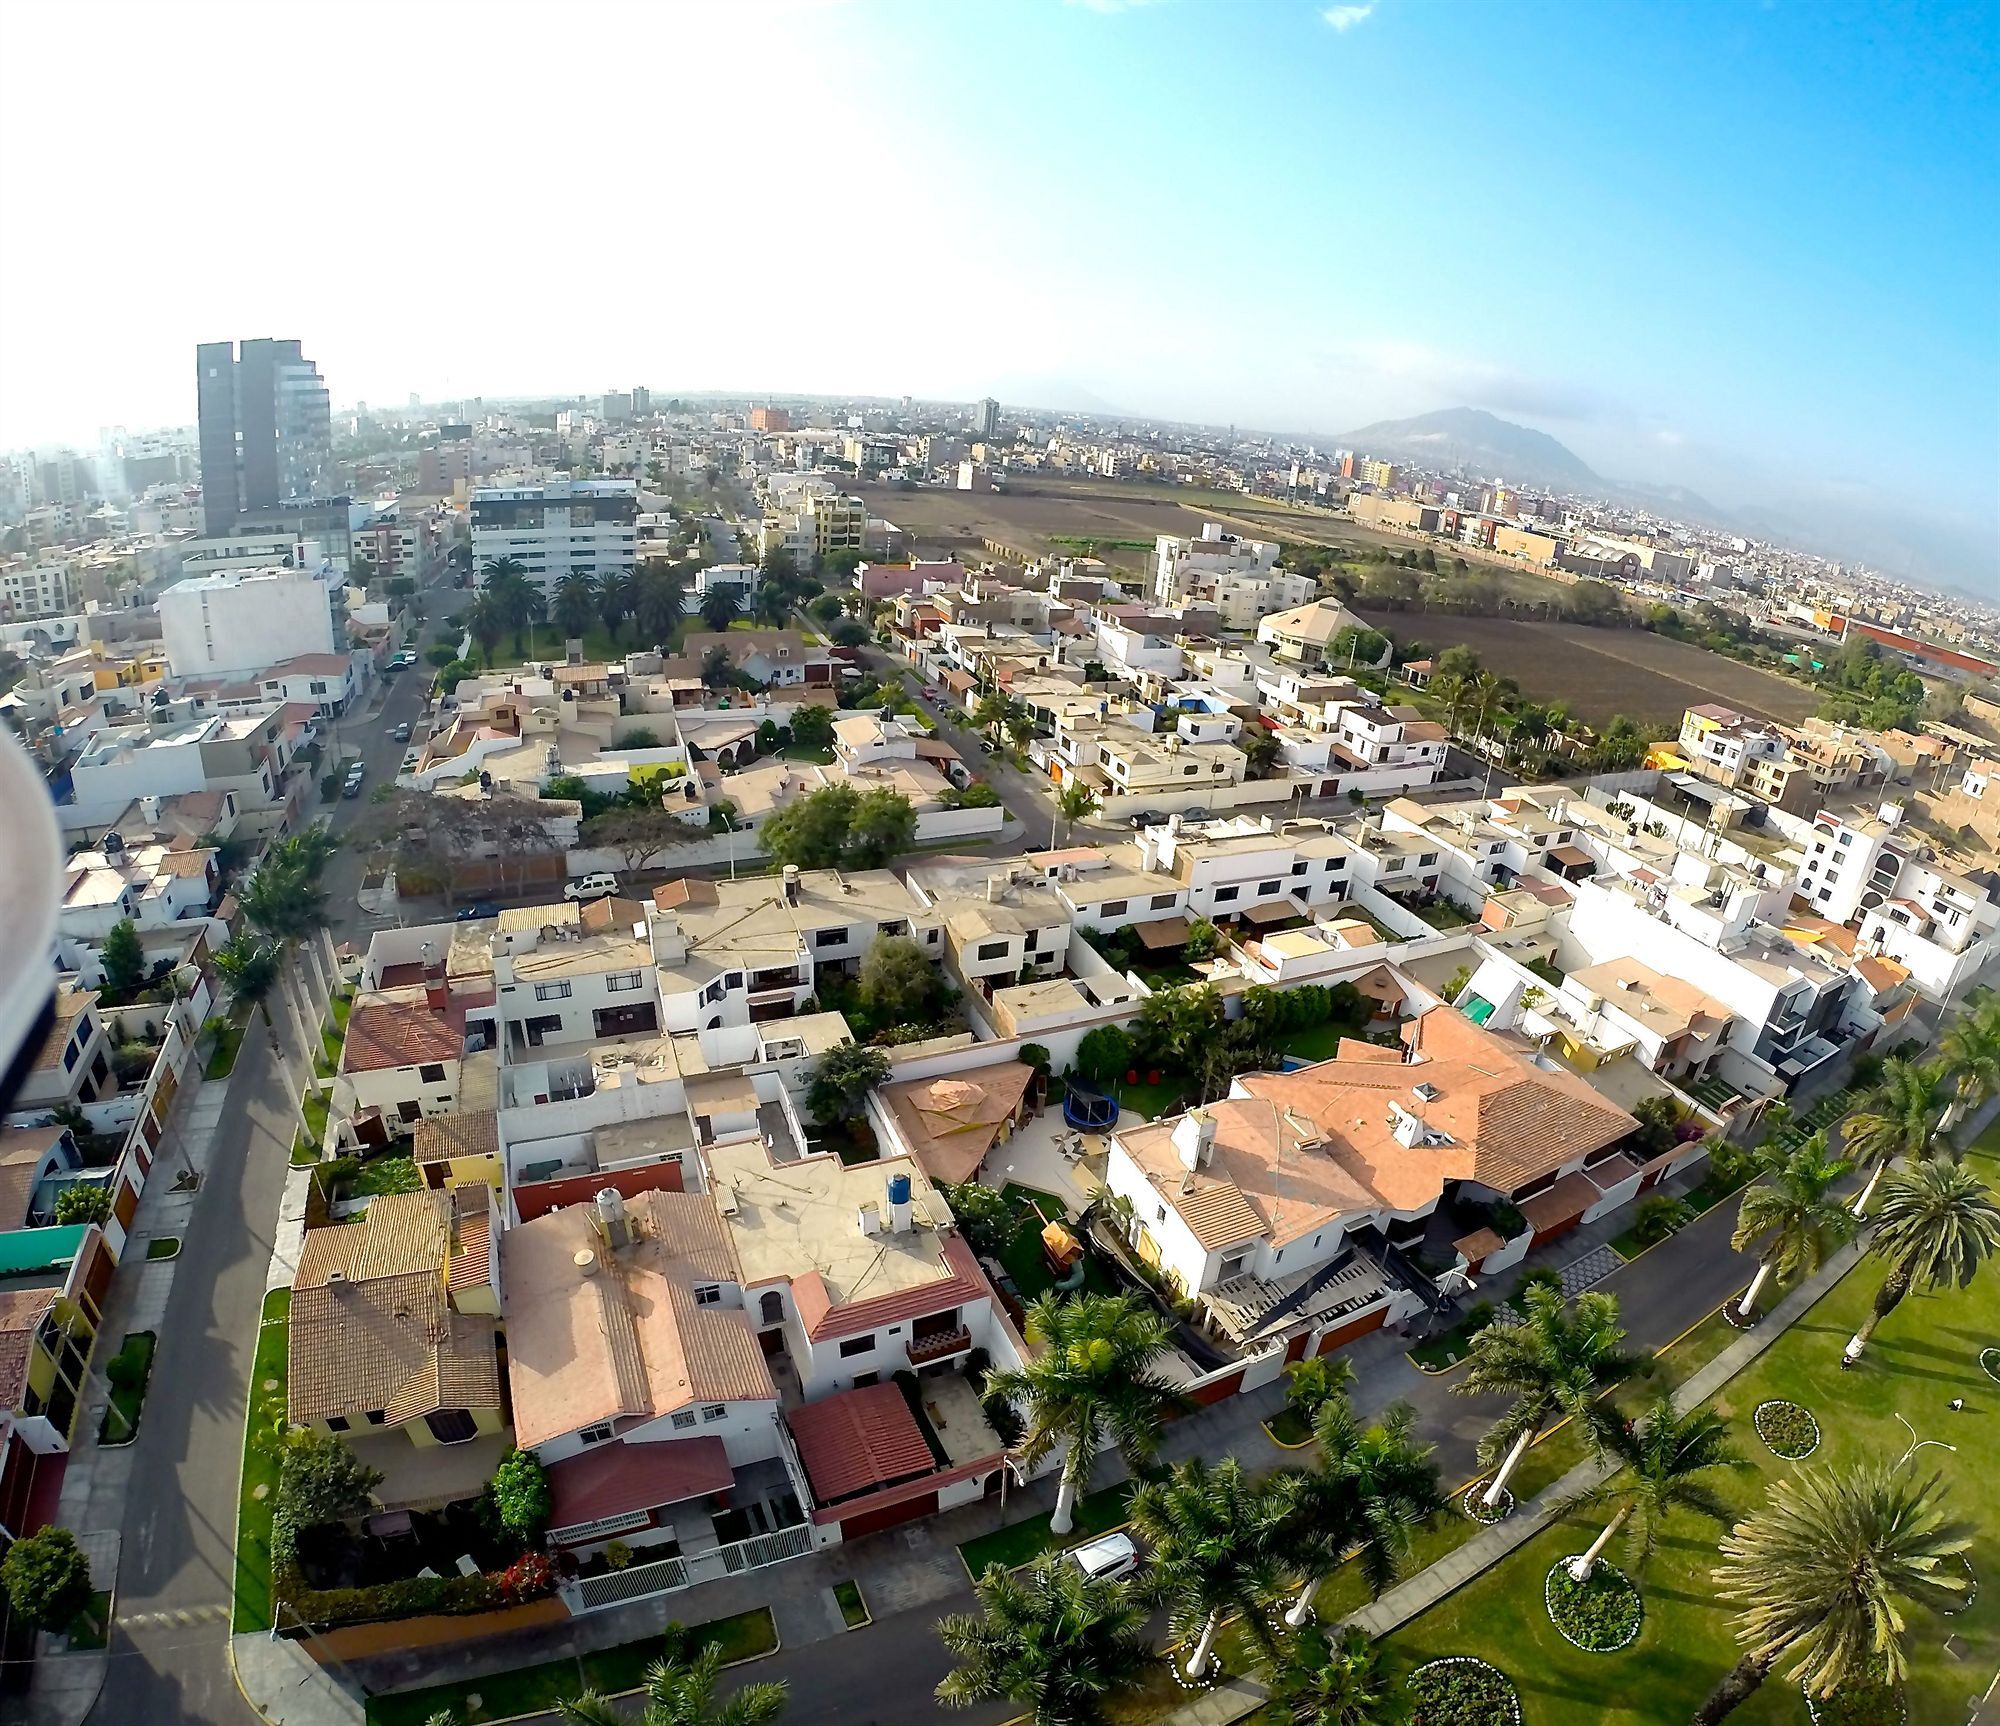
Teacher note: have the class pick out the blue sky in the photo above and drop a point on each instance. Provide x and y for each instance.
(1747, 248)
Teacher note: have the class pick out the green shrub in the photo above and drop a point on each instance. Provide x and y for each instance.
(1657, 1218)
(47, 1578)
(1461, 1692)
(83, 1203)
(520, 1493)
(1601, 1615)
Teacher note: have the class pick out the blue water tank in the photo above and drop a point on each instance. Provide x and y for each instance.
(899, 1189)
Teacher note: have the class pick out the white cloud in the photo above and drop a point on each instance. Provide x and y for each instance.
(1344, 18)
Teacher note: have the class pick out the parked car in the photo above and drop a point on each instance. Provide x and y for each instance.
(598, 886)
(1147, 818)
(930, 694)
(1109, 1555)
(477, 910)
(401, 731)
(352, 786)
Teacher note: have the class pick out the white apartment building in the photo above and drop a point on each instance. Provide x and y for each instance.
(1238, 577)
(556, 983)
(559, 528)
(247, 620)
(32, 588)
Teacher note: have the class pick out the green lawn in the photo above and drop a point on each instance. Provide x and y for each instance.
(820, 754)
(537, 1689)
(853, 1609)
(315, 1112)
(163, 1247)
(1151, 1100)
(120, 1424)
(260, 1466)
(222, 1054)
(1022, 1255)
(1924, 1355)
(382, 1175)
(1318, 1042)
(1018, 1542)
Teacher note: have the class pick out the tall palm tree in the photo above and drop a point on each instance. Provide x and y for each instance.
(575, 607)
(1897, 1119)
(1938, 1225)
(1452, 689)
(1091, 1380)
(1051, 1639)
(614, 600)
(249, 964)
(1560, 1360)
(282, 905)
(660, 602)
(1665, 1454)
(681, 1692)
(1787, 1219)
(486, 623)
(1217, 1537)
(1324, 1682)
(991, 714)
(1368, 1490)
(1075, 801)
(771, 605)
(1823, 1573)
(1261, 750)
(1969, 1054)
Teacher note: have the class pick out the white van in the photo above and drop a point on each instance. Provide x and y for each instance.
(598, 886)
(1109, 1555)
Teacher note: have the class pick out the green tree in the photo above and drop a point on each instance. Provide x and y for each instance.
(1787, 1219)
(486, 623)
(249, 965)
(575, 607)
(771, 605)
(1092, 1378)
(898, 984)
(637, 737)
(638, 835)
(1203, 939)
(1560, 1360)
(1103, 1054)
(83, 1202)
(1823, 1576)
(1174, 1024)
(1318, 1378)
(1969, 1059)
(991, 714)
(719, 606)
(1900, 1116)
(659, 602)
(841, 1081)
(1261, 750)
(520, 1493)
(1369, 1490)
(615, 598)
(883, 823)
(825, 608)
(1937, 1227)
(680, 1691)
(1075, 801)
(778, 566)
(848, 632)
(1325, 1681)
(123, 959)
(1665, 1455)
(47, 1578)
(321, 1480)
(1048, 1639)
(1217, 1539)
(811, 833)
(717, 672)
(812, 725)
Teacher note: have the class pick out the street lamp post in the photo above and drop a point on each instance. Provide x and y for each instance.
(733, 830)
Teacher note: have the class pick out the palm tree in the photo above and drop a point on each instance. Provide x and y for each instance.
(681, 1692)
(614, 600)
(1823, 1573)
(1560, 1359)
(1897, 1119)
(1665, 1454)
(1091, 1380)
(1938, 1225)
(1260, 749)
(660, 603)
(1328, 1683)
(575, 607)
(1075, 801)
(771, 605)
(250, 966)
(1216, 1537)
(719, 606)
(1052, 1640)
(991, 714)
(1452, 689)
(485, 623)
(1970, 1058)
(1019, 723)
(1787, 1219)
(1370, 1488)
(279, 902)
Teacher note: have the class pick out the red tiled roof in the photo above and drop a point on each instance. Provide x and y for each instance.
(621, 1478)
(399, 1034)
(962, 1282)
(857, 1440)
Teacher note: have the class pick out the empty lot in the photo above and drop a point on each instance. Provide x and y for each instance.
(1601, 672)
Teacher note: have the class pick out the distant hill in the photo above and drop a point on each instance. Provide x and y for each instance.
(1480, 442)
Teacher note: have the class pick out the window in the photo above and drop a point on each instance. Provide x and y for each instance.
(1298, 868)
(336, 1423)
(830, 938)
(1266, 888)
(431, 1072)
(862, 1380)
(1427, 859)
(375, 1417)
(857, 1345)
(992, 950)
(1112, 908)
(621, 982)
(1333, 863)
(1163, 901)
(772, 1307)
(683, 1420)
(69, 1056)
(551, 991)
(1223, 895)
(714, 1411)
(452, 1426)
(707, 1294)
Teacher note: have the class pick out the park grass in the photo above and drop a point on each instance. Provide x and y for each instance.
(539, 1689)
(1925, 1354)
(1020, 1542)
(120, 1424)
(253, 1607)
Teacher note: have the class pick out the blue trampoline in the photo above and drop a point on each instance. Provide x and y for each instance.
(1086, 1110)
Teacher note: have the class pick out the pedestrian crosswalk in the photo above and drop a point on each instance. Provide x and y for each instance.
(183, 1617)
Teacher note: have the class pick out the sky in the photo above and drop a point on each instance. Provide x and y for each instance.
(1747, 248)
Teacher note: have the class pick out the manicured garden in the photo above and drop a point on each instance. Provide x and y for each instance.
(127, 1372)
(1925, 1354)
(1095, 1513)
(259, 1489)
(225, 1039)
(1022, 1251)
(538, 1689)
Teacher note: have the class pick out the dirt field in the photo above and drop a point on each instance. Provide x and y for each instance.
(1027, 517)
(1599, 672)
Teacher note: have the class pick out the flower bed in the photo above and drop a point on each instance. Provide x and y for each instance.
(1475, 1506)
(1864, 1703)
(1971, 1594)
(1787, 1428)
(1461, 1691)
(1600, 1616)
(1989, 1363)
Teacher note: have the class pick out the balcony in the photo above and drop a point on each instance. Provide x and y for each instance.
(924, 1350)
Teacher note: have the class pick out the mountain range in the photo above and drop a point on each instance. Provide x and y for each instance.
(1480, 443)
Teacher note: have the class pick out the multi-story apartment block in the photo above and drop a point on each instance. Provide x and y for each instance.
(266, 428)
(559, 528)
(246, 620)
(35, 587)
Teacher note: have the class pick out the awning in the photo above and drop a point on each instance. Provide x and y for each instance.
(1573, 857)
(1476, 1008)
(1168, 932)
(1564, 1202)
(1272, 911)
(623, 1479)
